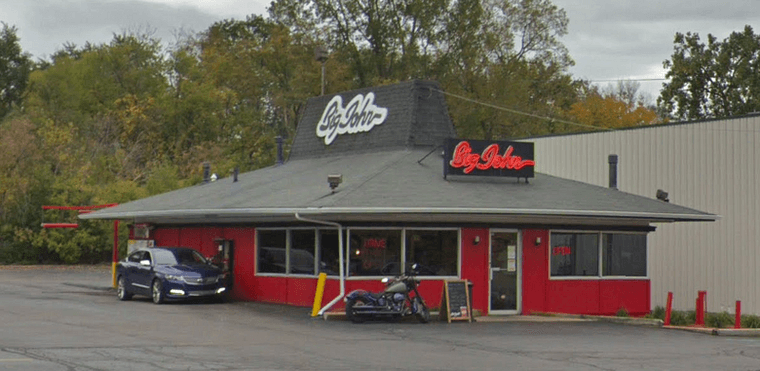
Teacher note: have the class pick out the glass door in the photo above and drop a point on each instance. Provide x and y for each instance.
(505, 273)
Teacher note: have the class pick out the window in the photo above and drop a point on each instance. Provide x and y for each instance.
(624, 254)
(136, 256)
(302, 245)
(574, 254)
(375, 252)
(328, 252)
(435, 252)
(271, 251)
(599, 254)
(368, 251)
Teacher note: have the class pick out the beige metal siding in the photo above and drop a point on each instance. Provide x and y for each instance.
(709, 166)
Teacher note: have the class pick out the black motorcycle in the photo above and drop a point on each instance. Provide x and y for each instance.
(394, 302)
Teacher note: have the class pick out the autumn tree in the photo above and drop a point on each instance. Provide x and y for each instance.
(616, 106)
(712, 79)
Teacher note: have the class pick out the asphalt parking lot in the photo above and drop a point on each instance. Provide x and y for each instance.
(69, 319)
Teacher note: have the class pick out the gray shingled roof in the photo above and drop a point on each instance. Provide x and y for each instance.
(417, 116)
(394, 186)
(386, 180)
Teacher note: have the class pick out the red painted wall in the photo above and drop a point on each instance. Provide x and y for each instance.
(475, 265)
(576, 296)
(535, 270)
(539, 293)
(166, 236)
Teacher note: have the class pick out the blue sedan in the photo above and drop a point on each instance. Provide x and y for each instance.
(168, 273)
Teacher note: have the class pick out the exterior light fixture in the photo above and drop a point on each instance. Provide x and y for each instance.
(476, 240)
(538, 241)
(334, 181)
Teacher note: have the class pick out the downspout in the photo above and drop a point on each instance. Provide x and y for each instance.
(340, 259)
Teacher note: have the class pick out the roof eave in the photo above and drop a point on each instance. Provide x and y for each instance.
(379, 211)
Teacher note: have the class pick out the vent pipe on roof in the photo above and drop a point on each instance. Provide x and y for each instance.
(280, 157)
(613, 160)
(206, 172)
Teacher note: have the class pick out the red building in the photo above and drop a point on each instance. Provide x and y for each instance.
(375, 175)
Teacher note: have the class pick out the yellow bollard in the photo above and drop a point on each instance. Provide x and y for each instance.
(318, 295)
(113, 274)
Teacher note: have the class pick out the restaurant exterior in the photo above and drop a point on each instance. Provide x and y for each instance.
(377, 180)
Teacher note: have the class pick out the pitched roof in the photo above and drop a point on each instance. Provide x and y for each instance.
(392, 172)
(394, 186)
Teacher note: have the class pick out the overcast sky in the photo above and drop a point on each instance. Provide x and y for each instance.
(608, 39)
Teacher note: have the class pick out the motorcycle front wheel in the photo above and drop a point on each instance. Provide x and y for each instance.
(423, 313)
(351, 312)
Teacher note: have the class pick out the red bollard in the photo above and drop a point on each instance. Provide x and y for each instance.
(700, 313)
(738, 320)
(668, 308)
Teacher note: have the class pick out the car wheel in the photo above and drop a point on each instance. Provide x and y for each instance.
(351, 313)
(121, 289)
(157, 292)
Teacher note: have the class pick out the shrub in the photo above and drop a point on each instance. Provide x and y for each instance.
(680, 318)
(622, 312)
(658, 313)
(750, 321)
(719, 320)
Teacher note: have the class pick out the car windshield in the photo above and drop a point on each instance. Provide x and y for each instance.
(178, 256)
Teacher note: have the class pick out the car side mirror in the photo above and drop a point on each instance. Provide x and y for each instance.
(145, 263)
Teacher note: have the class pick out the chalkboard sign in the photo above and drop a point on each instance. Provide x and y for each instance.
(455, 302)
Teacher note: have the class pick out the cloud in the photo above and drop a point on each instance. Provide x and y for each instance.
(618, 39)
(44, 26)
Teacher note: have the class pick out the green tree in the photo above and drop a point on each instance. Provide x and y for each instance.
(15, 66)
(713, 79)
(506, 53)
(502, 52)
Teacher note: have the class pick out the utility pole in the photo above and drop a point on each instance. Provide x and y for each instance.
(320, 54)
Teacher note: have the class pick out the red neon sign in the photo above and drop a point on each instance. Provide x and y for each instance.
(561, 250)
(375, 243)
(489, 159)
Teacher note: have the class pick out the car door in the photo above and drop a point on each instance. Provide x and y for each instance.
(142, 271)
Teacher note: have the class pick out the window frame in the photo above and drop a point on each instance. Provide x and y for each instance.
(600, 257)
(347, 249)
(459, 250)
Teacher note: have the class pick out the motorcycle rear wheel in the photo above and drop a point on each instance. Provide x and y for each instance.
(351, 312)
(423, 313)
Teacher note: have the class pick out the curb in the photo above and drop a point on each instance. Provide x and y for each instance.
(742, 332)
(631, 321)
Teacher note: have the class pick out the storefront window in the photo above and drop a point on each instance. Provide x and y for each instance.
(375, 252)
(328, 252)
(435, 252)
(369, 252)
(302, 246)
(624, 254)
(574, 254)
(271, 251)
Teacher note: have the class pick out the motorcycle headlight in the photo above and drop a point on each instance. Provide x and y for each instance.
(172, 277)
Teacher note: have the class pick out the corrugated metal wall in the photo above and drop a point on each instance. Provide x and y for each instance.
(711, 166)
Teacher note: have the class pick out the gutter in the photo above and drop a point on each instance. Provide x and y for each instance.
(340, 259)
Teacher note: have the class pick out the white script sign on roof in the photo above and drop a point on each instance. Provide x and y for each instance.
(360, 115)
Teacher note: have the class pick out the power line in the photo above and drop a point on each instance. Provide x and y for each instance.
(616, 80)
(520, 112)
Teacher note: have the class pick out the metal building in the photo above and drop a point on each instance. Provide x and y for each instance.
(708, 165)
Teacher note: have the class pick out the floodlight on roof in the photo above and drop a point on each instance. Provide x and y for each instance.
(334, 181)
